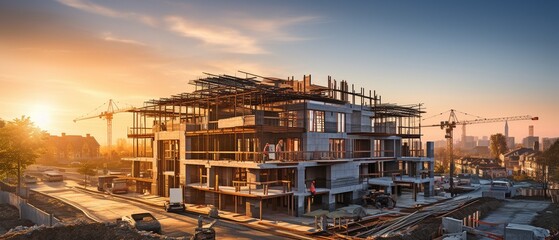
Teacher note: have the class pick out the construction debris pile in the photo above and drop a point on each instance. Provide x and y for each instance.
(549, 219)
(9, 218)
(97, 231)
(423, 223)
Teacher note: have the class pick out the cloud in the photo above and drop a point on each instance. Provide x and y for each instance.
(87, 6)
(276, 28)
(111, 38)
(227, 39)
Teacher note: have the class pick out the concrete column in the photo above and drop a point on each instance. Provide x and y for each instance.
(210, 173)
(388, 190)
(355, 198)
(431, 169)
(331, 200)
(300, 205)
(427, 189)
(253, 175)
(301, 188)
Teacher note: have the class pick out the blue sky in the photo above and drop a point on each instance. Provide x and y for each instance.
(64, 58)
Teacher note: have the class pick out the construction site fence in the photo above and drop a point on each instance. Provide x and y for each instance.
(535, 192)
(28, 211)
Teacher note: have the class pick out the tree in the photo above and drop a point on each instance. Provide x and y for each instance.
(498, 145)
(21, 143)
(550, 158)
(86, 169)
(442, 158)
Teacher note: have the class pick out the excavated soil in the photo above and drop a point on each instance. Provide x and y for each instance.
(9, 218)
(549, 219)
(93, 231)
(64, 212)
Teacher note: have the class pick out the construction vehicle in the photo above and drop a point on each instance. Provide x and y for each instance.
(449, 126)
(104, 182)
(204, 231)
(175, 202)
(118, 186)
(379, 199)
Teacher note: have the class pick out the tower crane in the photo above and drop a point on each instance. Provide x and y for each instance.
(112, 109)
(449, 126)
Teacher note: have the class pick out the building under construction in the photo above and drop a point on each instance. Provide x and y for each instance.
(248, 143)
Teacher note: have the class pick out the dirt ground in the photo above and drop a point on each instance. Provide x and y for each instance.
(76, 224)
(61, 210)
(549, 219)
(93, 231)
(11, 227)
(9, 218)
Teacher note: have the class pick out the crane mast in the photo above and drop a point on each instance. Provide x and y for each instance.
(112, 109)
(449, 126)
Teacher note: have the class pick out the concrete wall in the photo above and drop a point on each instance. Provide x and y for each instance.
(28, 211)
(494, 194)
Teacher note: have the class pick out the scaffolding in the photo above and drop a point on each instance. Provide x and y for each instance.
(228, 127)
(230, 117)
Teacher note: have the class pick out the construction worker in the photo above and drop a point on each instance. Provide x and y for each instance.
(279, 147)
(266, 153)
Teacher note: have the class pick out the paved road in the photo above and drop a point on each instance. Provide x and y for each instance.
(108, 208)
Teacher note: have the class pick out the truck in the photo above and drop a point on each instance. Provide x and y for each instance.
(119, 186)
(104, 182)
(175, 202)
(503, 186)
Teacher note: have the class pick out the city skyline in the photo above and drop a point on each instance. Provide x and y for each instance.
(64, 59)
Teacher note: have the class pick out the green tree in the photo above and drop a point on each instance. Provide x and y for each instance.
(21, 143)
(86, 169)
(498, 145)
(550, 158)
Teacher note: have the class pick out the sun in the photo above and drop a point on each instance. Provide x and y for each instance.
(41, 116)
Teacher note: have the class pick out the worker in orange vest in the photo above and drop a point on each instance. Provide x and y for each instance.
(313, 188)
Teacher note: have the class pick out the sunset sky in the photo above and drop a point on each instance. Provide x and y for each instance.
(63, 59)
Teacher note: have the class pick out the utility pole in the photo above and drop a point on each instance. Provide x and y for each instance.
(18, 191)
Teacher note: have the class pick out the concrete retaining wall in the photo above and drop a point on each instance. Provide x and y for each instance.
(493, 194)
(28, 211)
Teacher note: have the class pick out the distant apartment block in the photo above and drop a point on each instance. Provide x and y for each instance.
(483, 142)
(510, 142)
(243, 142)
(532, 165)
(531, 142)
(511, 160)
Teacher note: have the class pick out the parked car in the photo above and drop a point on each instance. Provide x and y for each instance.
(502, 186)
(28, 179)
(143, 222)
(75, 164)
